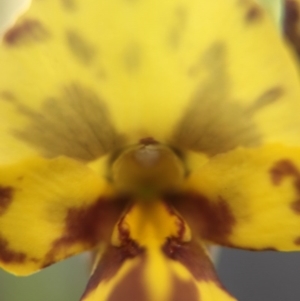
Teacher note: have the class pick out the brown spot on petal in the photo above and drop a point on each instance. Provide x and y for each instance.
(8, 255)
(6, 196)
(281, 170)
(212, 220)
(26, 31)
(297, 241)
(8, 96)
(254, 14)
(69, 5)
(291, 23)
(80, 47)
(88, 226)
(253, 11)
(184, 291)
(296, 206)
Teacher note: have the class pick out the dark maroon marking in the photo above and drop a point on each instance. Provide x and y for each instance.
(181, 224)
(192, 256)
(88, 225)
(26, 30)
(212, 220)
(184, 291)
(291, 21)
(8, 255)
(296, 206)
(285, 168)
(6, 196)
(148, 141)
(111, 262)
(113, 258)
(297, 241)
(131, 287)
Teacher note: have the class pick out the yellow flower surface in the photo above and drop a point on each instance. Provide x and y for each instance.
(146, 130)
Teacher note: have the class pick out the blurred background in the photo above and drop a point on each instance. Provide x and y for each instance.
(250, 276)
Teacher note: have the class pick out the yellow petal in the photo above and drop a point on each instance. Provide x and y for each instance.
(49, 210)
(246, 199)
(152, 258)
(79, 79)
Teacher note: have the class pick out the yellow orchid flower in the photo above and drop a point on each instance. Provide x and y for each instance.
(146, 130)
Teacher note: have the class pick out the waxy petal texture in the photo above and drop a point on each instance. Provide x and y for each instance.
(246, 199)
(83, 78)
(50, 210)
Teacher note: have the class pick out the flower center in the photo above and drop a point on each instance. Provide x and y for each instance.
(147, 168)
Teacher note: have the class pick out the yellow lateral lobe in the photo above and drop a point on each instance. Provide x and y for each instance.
(50, 210)
(247, 198)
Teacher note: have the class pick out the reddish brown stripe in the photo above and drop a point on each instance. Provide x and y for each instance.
(6, 197)
(285, 168)
(88, 225)
(114, 257)
(212, 220)
(110, 263)
(184, 291)
(131, 287)
(27, 30)
(192, 256)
